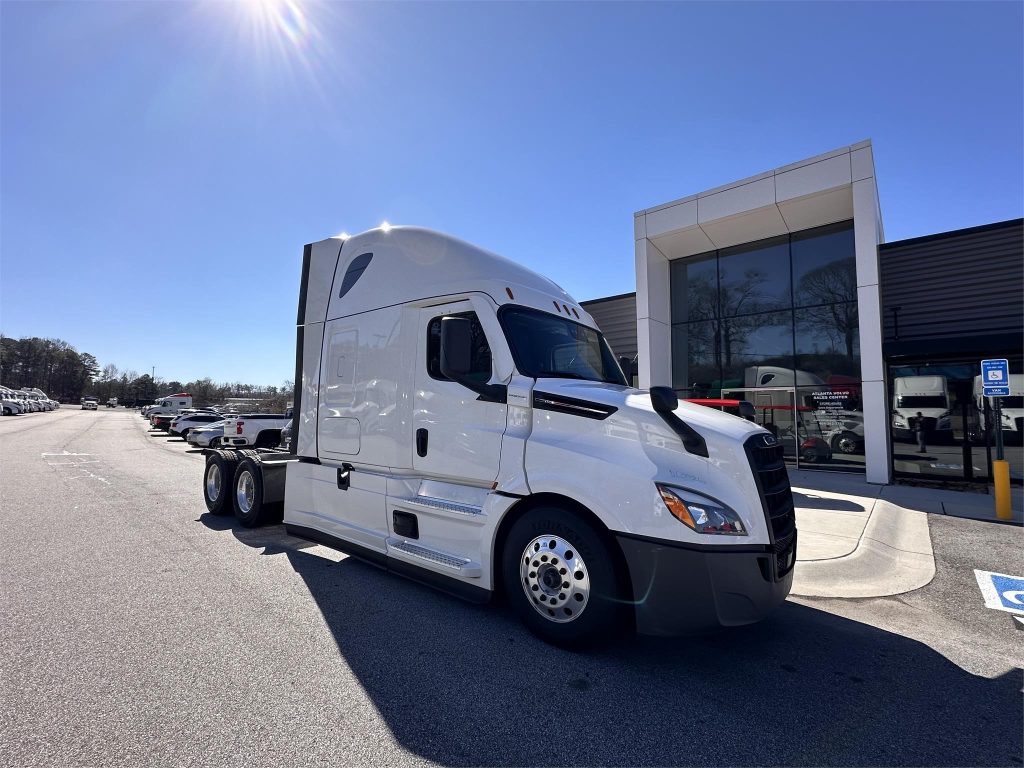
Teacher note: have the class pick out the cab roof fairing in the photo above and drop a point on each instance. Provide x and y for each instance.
(421, 264)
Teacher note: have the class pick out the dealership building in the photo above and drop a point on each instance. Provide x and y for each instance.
(781, 290)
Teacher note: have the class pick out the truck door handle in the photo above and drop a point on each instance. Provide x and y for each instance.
(421, 442)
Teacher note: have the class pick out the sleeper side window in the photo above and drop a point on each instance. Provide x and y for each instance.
(480, 361)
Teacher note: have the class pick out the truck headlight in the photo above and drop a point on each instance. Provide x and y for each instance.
(701, 513)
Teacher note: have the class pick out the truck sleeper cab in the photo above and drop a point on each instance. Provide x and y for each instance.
(461, 420)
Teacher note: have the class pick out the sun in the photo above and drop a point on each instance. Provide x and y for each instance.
(280, 21)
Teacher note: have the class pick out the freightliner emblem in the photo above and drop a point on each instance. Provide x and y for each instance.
(769, 440)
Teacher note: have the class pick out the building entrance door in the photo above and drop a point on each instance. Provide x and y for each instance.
(943, 428)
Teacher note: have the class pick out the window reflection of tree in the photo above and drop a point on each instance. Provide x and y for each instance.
(833, 287)
(728, 309)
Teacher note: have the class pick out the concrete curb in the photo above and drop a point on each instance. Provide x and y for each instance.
(893, 556)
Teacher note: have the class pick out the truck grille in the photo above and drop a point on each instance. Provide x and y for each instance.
(769, 467)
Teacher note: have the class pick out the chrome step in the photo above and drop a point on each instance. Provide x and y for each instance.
(447, 506)
(463, 566)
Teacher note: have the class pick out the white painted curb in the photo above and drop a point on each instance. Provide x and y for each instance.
(894, 556)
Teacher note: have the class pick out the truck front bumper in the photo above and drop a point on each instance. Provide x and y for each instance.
(678, 589)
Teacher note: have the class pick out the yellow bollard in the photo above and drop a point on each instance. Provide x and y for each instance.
(1001, 476)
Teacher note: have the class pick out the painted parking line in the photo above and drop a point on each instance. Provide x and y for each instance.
(1001, 591)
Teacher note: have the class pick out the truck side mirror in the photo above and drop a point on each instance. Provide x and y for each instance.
(747, 411)
(664, 399)
(456, 347)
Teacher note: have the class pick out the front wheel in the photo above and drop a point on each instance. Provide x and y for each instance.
(560, 577)
(845, 442)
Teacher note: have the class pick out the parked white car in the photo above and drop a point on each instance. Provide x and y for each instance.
(206, 437)
(89, 404)
(186, 422)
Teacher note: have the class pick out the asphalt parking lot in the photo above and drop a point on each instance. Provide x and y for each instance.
(136, 629)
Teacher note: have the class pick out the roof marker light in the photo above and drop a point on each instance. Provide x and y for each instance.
(509, 292)
(557, 308)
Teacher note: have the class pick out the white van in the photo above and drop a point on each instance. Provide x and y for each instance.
(926, 395)
(461, 420)
(1012, 406)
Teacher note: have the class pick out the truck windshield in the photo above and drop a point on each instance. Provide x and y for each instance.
(544, 345)
(921, 401)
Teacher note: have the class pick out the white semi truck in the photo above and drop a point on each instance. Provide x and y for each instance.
(927, 395)
(175, 403)
(1012, 407)
(460, 420)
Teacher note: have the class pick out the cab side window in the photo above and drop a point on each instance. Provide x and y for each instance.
(480, 360)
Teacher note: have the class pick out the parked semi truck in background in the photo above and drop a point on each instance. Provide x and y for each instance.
(1012, 407)
(927, 395)
(168, 404)
(461, 420)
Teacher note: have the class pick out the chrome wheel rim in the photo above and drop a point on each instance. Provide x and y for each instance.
(245, 492)
(213, 482)
(846, 445)
(555, 579)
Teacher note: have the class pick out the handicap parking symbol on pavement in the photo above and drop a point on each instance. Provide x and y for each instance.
(1001, 592)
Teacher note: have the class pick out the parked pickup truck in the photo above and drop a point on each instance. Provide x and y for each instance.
(256, 430)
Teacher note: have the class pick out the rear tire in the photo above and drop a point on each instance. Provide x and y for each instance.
(250, 508)
(218, 482)
(566, 594)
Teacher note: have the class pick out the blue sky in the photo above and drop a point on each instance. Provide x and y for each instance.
(162, 164)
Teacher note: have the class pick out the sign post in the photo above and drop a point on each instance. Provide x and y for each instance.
(995, 383)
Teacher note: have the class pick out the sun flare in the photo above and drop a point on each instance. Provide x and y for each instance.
(285, 21)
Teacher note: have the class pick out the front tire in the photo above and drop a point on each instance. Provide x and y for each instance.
(559, 575)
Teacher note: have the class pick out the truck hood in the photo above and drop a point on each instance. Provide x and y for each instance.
(700, 417)
(624, 455)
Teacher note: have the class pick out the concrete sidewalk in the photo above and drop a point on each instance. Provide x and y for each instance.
(861, 540)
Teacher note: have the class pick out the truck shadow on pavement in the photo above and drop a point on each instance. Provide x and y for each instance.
(810, 501)
(468, 685)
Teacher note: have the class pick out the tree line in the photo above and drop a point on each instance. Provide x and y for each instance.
(68, 375)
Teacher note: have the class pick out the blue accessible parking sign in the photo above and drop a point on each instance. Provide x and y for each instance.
(995, 378)
(1001, 592)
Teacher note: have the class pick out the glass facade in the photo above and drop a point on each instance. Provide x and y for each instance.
(943, 427)
(775, 322)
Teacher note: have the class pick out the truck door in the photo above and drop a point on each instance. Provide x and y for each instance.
(456, 434)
